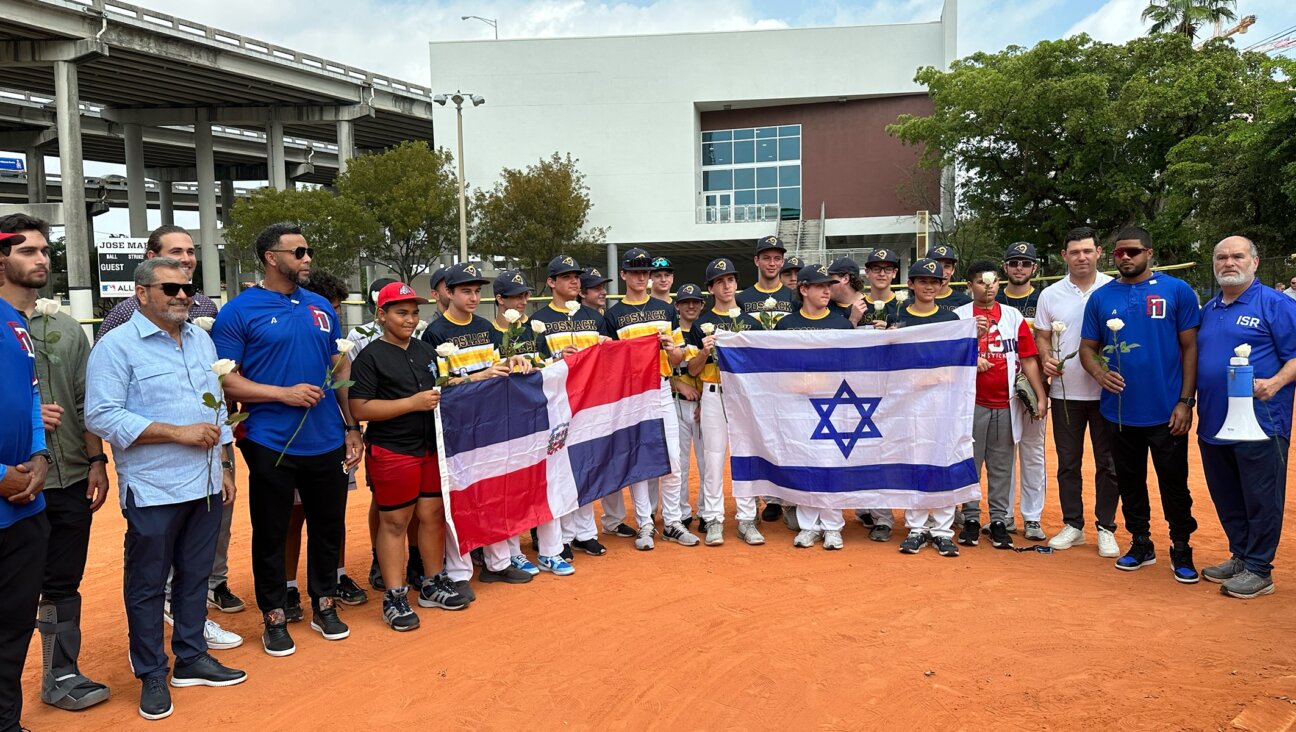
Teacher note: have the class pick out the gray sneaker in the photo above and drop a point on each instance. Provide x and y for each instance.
(790, 518)
(832, 539)
(1034, 532)
(715, 533)
(677, 533)
(1224, 571)
(747, 532)
(880, 533)
(806, 538)
(644, 541)
(1247, 584)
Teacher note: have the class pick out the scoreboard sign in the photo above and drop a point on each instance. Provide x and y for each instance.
(118, 259)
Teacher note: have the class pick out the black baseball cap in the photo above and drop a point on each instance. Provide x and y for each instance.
(376, 287)
(464, 273)
(883, 256)
(943, 252)
(591, 277)
(510, 282)
(438, 276)
(843, 265)
(791, 264)
(814, 274)
(927, 267)
(662, 264)
(689, 292)
(1021, 250)
(769, 242)
(562, 264)
(636, 260)
(719, 268)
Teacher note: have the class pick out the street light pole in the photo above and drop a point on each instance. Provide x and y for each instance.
(459, 98)
(492, 22)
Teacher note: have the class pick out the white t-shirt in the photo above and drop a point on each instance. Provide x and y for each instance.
(1063, 301)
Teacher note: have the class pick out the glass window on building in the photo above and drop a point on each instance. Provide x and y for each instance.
(760, 166)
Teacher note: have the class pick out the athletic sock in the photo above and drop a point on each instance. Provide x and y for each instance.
(292, 584)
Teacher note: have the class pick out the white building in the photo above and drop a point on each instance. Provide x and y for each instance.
(694, 145)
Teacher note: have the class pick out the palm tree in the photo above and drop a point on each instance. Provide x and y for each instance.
(1186, 17)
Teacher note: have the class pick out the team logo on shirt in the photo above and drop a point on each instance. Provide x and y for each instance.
(1156, 307)
(321, 318)
(24, 338)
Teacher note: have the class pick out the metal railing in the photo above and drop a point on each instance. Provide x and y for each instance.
(745, 214)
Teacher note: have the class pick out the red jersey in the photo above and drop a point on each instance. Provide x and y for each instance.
(992, 384)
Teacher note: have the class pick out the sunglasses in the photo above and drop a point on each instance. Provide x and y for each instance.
(1020, 263)
(1129, 252)
(171, 289)
(299, 252)
(661, 262)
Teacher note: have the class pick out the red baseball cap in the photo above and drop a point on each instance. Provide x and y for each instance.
(398, 292)
(8, 240)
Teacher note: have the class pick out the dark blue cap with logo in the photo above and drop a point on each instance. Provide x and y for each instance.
(1021, 250)
(591, 277)
(510, 282)
(636, 260)
(376, 286)
(689, 292)
(814, 274)
(769, 242)
(791, 264)
(927, 268)
(843, 265)
(942, 252)
(562, 264)
(438, 276)
(883, 256)
(719, 268)
(464, 273)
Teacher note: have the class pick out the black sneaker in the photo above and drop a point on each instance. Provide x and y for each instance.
(478, 557)
(566, 552)
(439, 592)
(689, 521)
(591, 547)
(771, 512)
(864, 517)
(155, 698)
(275, 639)
(535, 540)
(971, 533)
(349, 593)
(1181, 563)
(999, 538)
(945, 547)
(623, 531)
(293, 607)
(914, 542)
(375, 576)
(510, 574)
(205, 671)
(465, 590)
(702, 524)
(222, 599)
(397, 612)
(324, 618)
(1141, 553)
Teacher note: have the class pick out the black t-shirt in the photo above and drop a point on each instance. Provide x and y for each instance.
(1024, 304)
(941, 315)
(888, 314)
(752, 300)
(386, 372)
(953, 301)
(827, 321)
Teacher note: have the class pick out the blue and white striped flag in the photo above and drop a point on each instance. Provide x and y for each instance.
(852, 418)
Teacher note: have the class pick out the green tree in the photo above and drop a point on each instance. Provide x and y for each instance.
(412, 192)
(335, 228)
(533, 215)
(1186, 17)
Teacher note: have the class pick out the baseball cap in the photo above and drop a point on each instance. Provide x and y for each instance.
(769, 242)
(591, 277)
(927, 268)
(662, 264)
(843, 265)
(689, 292)
(464, 273)
(395, 291)
(882, 256)
(8, 240)
(791, 264)
(942, 251)
(814, 274)
(510, 282)
(562, 264)
(636, 260)
(1021, 250)
(719, 268)
(376, 286)
(438, 276)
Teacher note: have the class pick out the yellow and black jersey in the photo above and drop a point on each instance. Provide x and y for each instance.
(752, 300)
(711, 372)
(824, 321)
(889, 313)
(626, 320)
(561, 330)
(525, 342)
(477, 340)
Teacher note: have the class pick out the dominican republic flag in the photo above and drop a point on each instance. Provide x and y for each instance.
(852, 418)
(518, 451)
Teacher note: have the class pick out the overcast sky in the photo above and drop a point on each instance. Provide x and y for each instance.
(391, 36)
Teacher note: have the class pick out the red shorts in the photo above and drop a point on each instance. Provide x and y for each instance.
(399, 480)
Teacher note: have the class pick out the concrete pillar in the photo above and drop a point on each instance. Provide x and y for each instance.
(346, 150)
(278, 167)
(76, 227)
(232, 266)
(166, 202)
(346, 144)
(613, 266)
(136, 191)
(35, 176)
(211, 278)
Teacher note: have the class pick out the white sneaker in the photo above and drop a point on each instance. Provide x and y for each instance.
(220, 639)
(832, 539)
(715, 533)
(1068, 537)
(1107, 546)
(748, 532)
(806, 538)
(644, 541)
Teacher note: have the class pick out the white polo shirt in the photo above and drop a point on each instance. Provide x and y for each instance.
(1063, 301)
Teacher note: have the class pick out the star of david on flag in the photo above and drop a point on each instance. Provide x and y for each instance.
(844, 397)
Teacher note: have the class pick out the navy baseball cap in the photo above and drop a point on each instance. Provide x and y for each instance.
(510, 282)
(791, 264)
(1021, 250)
(814, 274)
(943, 252)
(562, 264)
(690, 292)
(662, 264)
(769, 242)
(591, 277)
(927, 268)
(883, 256)
(438, 276)
(843, 265)
(464, 273)
(376, 287)
(637, 260)
(719, 268)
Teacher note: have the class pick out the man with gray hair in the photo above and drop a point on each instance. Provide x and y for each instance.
(145, 391)
(1247, 480)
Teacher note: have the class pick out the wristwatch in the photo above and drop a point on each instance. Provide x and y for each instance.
(1189, 401)
(353, 428)
(43, 453)
(100, 458)
(227, 465)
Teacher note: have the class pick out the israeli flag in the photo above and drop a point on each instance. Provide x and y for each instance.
(852, 418)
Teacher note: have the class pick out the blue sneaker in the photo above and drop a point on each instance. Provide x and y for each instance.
(557, 565)
(1140, 554)
(521, 562)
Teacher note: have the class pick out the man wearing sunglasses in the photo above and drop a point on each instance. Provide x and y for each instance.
(175, 243)
(1149, 377)
(1291, 291)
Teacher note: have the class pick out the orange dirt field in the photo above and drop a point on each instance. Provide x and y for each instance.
(738, 637)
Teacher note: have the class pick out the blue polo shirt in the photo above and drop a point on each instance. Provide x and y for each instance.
(1155, 311)
(24, 433)
(284, 340)
(1263, 318)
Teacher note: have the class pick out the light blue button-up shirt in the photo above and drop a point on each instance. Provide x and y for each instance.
(137, 375)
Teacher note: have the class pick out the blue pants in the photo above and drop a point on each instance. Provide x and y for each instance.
(182, 535)
(1248, 483)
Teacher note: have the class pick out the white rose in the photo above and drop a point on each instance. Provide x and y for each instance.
(446, 350)
(708, 328)
(47, 307)
(204, 322)
(734, 313)
(537, 327)
(1243, 351)
(373, 296)
(1059, 326)
(663, 329)
(1115, 324)
(512, 316)
(988, 278)
(902, 295)
(572, 307)
(343, 345)
(770, 303)
(223, 366)
(879, 306)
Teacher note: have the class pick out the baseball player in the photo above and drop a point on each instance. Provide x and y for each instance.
(948, 298)
(687, 390)
(788, 272)
(593, 289)
(847, 299)
(769, 267)
(662, 278)
(1020, 264)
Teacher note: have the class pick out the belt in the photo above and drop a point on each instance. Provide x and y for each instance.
(680, 397)
(715, 388)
